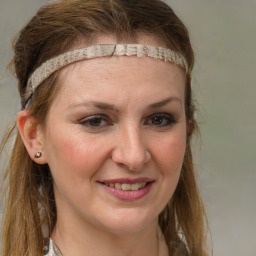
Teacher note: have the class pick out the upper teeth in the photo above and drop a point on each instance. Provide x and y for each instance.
(125, 186)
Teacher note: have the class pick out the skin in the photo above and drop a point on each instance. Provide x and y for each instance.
(130, 138)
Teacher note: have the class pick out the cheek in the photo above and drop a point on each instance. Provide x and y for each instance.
(74, 154)
(169, 154)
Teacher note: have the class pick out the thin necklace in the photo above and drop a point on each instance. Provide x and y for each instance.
(54, 250)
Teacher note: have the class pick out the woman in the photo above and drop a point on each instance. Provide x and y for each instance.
(102, 163)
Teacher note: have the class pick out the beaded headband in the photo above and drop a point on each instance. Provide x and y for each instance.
(96, 51)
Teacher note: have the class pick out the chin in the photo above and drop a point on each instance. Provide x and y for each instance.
(129, 221)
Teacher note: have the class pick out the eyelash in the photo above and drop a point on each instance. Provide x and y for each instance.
(164, 119)
(90, 119)
(168, 118)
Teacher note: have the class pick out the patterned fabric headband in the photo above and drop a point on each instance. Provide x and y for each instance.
(96, 51)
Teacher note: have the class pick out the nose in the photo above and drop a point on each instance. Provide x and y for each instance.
(130, 150)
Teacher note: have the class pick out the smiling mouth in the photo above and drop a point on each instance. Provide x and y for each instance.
(126, 189)
(126, 186)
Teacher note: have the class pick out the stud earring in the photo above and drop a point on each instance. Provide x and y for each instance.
(38, 154)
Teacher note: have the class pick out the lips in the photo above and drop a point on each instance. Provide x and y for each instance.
(128, 189)
(127, 186)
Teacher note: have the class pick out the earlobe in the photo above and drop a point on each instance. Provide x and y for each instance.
(32, 136)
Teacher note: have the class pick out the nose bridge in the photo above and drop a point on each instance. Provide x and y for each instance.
(131, 148)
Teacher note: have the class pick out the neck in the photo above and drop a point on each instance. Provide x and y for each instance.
(73, 239)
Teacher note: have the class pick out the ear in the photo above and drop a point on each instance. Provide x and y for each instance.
(32, 135)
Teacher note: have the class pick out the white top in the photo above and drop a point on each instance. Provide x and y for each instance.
(51, 249)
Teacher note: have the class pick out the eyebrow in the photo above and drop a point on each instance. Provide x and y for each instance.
(164, 102)
(111, 107)
(100, 105)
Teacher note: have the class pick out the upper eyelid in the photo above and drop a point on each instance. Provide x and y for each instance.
(162, 114)
(105, 117)
(169, 117)
(85, 122)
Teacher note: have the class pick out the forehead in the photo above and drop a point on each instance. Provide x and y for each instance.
(105, 75)
(121, 77)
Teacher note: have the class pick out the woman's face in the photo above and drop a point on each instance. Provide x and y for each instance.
(115, 140)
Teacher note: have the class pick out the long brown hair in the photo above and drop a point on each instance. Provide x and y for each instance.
(57, 26)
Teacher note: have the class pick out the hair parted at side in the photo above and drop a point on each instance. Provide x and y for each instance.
(56, 28)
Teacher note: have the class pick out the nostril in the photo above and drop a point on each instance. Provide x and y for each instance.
(131, 161)
(122, 165)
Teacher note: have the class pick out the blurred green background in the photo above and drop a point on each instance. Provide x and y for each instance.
(223, 35)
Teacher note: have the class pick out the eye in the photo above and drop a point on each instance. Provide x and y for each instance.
(160, 120)
(95, 121)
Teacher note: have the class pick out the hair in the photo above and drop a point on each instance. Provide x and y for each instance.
(56, 28)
